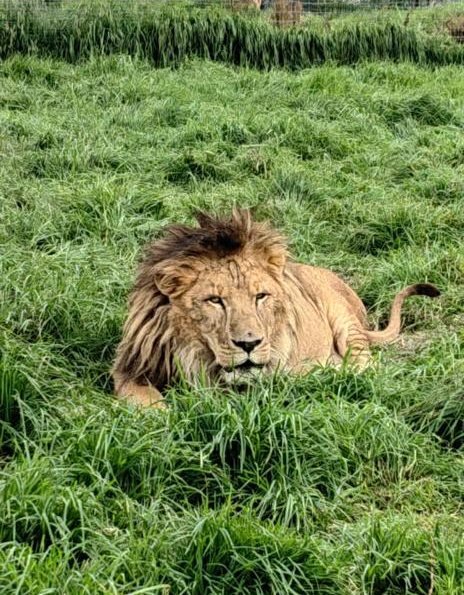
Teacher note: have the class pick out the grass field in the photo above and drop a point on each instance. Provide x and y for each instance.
(332, 483)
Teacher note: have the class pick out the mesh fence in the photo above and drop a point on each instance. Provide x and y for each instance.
(295, 9)
(283, 11)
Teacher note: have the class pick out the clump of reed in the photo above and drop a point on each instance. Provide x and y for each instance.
(165, 35)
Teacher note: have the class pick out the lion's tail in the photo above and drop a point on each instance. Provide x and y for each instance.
(392, 330)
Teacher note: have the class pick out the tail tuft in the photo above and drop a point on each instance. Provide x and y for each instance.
(425, 289)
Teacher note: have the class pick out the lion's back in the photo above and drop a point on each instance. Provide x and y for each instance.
(328, 289)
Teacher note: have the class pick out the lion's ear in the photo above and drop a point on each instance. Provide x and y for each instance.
(276, 259)
(172, 279)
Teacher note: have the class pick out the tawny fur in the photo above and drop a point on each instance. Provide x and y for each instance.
(224, 300)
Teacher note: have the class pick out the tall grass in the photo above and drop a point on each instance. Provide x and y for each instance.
(166, 35)
(334, 483)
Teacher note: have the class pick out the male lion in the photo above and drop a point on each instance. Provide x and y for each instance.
(225, 298)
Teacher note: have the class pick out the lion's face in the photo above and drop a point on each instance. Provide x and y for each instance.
(234, 309)
(213, 298)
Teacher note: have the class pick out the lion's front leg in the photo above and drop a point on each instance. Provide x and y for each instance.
(137, 394)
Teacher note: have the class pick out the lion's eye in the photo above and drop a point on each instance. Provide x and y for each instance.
(215, 299)
(261, 296)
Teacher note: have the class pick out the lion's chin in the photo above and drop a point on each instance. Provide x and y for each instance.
(243, 374)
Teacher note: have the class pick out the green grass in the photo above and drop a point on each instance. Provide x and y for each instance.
(331, 483)
(166, 35)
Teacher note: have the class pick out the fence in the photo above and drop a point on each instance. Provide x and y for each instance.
(282, 11)
(301, 7)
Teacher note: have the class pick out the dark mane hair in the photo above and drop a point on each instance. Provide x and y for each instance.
(215, 237)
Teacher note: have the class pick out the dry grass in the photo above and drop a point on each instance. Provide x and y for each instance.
(286, 13)
(455, 28)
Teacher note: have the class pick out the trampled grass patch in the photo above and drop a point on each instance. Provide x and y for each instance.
(331, 483)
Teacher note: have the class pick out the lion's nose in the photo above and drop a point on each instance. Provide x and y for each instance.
(247, 346)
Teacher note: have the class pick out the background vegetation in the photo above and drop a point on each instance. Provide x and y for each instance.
(332, 483)
(165, 34)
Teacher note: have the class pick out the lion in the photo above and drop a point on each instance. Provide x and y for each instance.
(225, 300)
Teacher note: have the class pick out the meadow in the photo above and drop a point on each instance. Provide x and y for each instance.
(332, 483)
